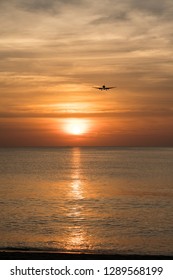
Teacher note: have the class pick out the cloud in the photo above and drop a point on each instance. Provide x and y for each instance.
(121, 8)
(132, 18)
(48, 46)
(36, 6)
(158, 8)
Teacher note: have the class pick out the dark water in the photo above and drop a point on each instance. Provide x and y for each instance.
(108, 200)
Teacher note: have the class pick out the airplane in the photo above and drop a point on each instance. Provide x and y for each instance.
(104, 88)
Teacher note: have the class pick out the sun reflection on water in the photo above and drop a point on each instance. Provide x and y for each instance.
(78, 236)
(76, 185)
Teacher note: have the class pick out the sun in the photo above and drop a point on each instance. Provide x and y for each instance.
(76, 126)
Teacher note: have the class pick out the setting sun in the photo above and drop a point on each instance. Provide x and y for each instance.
(76, 126)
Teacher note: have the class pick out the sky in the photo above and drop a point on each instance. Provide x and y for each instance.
(53, 53)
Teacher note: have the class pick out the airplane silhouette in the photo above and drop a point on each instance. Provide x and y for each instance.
(104, 88)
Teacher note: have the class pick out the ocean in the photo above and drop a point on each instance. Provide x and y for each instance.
(106, 200)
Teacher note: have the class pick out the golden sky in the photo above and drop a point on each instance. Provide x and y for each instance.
(54, 52)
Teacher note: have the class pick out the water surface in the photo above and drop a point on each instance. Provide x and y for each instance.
(99, 200)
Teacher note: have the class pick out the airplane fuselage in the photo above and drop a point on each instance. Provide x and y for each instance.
(104, 87)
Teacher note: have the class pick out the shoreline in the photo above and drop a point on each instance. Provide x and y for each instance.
(53, 255)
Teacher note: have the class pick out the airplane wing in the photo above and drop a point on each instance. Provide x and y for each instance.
(98, 87)
(109, 87)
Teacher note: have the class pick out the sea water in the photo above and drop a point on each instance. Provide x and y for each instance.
(97, 200)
